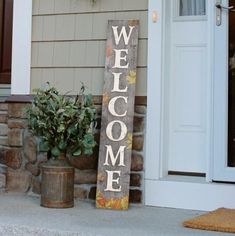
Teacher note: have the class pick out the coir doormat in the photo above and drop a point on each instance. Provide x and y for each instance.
(222, 220)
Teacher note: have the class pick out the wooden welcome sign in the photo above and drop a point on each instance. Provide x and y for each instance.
(113, 177)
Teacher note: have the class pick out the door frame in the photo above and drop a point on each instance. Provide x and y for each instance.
(21, 47)
(155, 90)
(166, 192)
(221, 171)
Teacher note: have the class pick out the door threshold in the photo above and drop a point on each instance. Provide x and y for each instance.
(186, 173)
(184, 178)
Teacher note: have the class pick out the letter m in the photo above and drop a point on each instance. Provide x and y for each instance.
(109, 154)
(123, 34)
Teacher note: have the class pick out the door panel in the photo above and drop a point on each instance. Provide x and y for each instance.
(6, 20)
(188, 88)
(189, 79)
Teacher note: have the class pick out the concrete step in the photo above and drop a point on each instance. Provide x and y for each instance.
(21, 215)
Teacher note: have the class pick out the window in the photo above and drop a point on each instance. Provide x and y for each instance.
(6, 20)
(192, 8)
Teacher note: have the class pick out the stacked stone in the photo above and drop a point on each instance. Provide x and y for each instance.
(137, 162)
(23, 157)
(85, 177)
(3, 142)
(18, 178)
(21, 154)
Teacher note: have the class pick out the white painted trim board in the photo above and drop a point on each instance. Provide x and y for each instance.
(188, 195)
(21, 47)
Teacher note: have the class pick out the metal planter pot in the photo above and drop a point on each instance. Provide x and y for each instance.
(57, 190)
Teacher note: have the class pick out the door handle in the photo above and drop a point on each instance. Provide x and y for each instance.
(219, 8)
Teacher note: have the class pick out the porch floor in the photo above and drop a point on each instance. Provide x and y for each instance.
(22, 215)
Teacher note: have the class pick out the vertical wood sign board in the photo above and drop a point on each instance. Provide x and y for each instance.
(117, 115)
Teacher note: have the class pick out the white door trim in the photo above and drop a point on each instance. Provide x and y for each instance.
(210, 73)
(21, 47)
(154, 90)
(154, 165)
(189, 195)
(222, 171)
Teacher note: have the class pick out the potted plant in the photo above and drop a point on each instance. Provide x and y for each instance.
(65, 126)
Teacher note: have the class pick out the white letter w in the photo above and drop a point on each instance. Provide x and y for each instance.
(122, 33)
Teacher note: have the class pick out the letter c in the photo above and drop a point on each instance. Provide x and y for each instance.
(112, 105)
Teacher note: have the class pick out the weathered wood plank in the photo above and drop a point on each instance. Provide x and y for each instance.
(117, 115)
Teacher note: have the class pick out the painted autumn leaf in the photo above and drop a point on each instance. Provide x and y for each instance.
(131, 78)
(129, 141)
(125, 203)
(105, 99)
(133, 22)
(100, 177)
(109, 50)
(112, 203)
(100, 200)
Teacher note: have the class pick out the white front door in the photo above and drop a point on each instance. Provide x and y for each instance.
(224, 92)
(186, 90)
(179, 93)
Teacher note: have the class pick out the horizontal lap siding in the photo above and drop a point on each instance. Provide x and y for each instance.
(76, 54)
(82, 6)
(69, 38)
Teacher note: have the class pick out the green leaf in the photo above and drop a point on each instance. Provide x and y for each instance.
(53, 105)
(64, 122)
(61, 128)
(87, 100)
(43, 146)
(89, 141)
(60, 111)
(88, 151)
(62, 145)
(72, 129)
(78, 152)
(55, 151)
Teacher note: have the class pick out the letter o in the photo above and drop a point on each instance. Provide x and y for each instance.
(110, 128)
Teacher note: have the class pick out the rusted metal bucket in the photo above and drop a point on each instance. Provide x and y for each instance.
(57, 190)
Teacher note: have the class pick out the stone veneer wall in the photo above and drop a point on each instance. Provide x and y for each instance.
(3, 143)
(22, 156)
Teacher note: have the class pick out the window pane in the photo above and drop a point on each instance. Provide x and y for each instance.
(192, 7)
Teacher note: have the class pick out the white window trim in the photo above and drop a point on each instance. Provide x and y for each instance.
(21, 47)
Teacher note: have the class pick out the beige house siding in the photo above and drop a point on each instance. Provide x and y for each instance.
(69, 37)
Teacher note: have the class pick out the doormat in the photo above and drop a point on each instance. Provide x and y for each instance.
(222, 220)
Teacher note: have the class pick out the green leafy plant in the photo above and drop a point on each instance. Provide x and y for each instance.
(63, 123)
